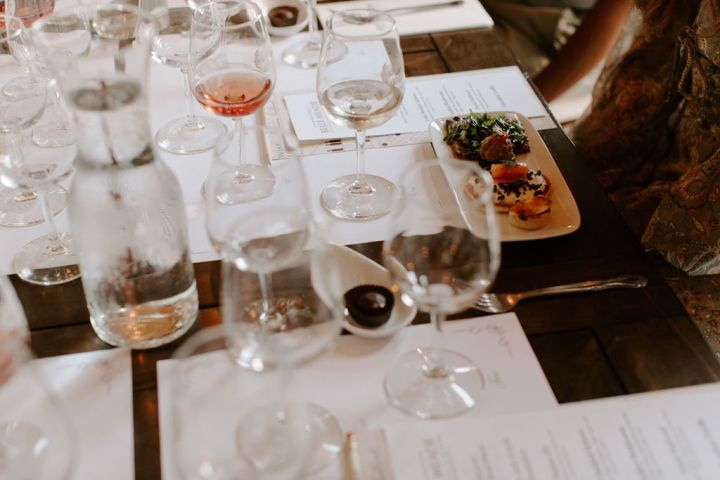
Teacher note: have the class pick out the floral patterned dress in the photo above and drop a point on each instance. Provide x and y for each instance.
(652, 135)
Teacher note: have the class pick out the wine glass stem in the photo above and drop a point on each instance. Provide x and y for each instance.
(433, 364)
(360, 185)
(312, 19)
(190, 118)
(266, 290)
(239, 136)
(54, 245)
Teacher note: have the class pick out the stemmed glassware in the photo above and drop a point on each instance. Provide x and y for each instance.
(253, 429)
(36, 440)
(20, 208)
(360, 89)
(171, 47)
(306, 54)
(57, 132)
(266, 234)
(232, 74)
(443, 253)
(49, 259)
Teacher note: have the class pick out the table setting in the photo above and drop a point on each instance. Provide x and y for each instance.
(312, 268)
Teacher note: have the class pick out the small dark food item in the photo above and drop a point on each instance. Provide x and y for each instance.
(497, 148)
(369, 305)
(465, 135)
(284, 16)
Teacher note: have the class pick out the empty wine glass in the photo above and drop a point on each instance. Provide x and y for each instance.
(253, 429)
(21, 86)
(306, 54)
(266, 234)
(360, 89)
(443, 253)
(171, 46)
(27, 11)
(49, 259)
(35, 436)
(313, 306)
(232, 74)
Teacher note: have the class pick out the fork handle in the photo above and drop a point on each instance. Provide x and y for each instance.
(624, 281)
(418, 8)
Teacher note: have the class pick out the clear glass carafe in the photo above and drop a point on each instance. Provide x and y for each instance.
(126, 207)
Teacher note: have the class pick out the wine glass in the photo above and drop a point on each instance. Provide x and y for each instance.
(253, 429)
(443, 253)
(20, 208)
(306, 54)
(58, 132)
(171, 46)
(35, 437)
(361, 89)
(265, 234)
(232, 74)
(47, 260)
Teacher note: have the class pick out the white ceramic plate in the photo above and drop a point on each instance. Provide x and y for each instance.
(565, 216)
(360, 270)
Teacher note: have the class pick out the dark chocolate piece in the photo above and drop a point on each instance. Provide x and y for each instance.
(369, 305)
(284, 16)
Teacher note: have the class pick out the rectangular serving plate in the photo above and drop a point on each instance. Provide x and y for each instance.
(564, 215)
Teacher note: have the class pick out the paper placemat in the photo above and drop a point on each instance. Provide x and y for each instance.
(95, 389)
(348, 380)
(426, 98)
(673, 434)
(470, 14)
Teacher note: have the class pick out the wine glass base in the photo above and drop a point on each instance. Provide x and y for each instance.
(23, 447)
(244, 184)
(53, 135)
(305, 54)
(186, 138)
(422, 393)
(294, 437)
(342, 201)
(35, 264)
(22, 209)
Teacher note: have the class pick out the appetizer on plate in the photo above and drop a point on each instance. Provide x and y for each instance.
(494, 141)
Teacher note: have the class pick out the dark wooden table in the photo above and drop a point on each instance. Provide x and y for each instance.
(589, 345)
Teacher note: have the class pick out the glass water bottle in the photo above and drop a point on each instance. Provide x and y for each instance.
(126, 207)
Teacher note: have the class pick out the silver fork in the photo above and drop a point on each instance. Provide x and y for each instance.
(401, 10)
(504, 302)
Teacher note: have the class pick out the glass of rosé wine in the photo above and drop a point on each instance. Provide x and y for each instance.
(232, 74)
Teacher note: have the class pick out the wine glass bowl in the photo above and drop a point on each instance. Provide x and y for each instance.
(443, 253)
(360, 85)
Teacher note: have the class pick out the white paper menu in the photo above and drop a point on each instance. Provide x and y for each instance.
(348, 380)
(426, 98)
(95, 389)
(672, 435)
(469, 14)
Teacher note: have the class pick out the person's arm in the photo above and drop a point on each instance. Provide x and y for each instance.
(585, 48)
